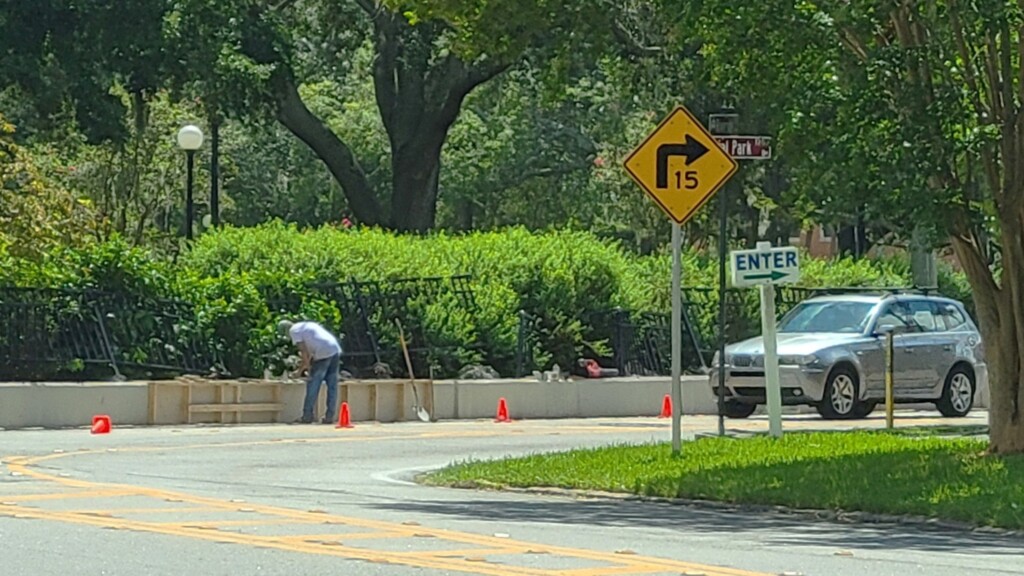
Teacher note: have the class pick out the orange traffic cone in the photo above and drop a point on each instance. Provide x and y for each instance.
(101, 424)
(666, 407)
(344, 420)
(502, 411)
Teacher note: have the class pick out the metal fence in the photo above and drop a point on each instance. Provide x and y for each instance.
(368, 313)
(45, 331)
(57, 333)
(52, 331)
(641, 343)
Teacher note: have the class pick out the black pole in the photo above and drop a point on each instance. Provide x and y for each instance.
(215, 173)
(723, 214)
(189, 209)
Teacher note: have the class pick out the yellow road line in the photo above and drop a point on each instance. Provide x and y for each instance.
(232, 523)
(66, 495)
(620, 564)
(467, 552)
(278, 544)
(116, 511)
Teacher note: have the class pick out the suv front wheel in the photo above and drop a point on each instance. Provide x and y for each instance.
(841, 398)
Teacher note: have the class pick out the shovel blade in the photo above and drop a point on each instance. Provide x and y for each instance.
(423, 414)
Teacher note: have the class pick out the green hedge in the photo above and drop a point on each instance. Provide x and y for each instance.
(567, 280)
(563, 278)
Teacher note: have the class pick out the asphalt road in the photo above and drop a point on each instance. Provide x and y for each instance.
(287, 500)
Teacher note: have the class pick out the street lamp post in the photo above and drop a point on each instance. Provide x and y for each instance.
(190, 139)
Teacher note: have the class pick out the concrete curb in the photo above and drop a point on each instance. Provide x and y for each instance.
(835, 516)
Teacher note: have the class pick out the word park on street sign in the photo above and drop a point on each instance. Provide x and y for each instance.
(746, 147)
(765, 265)
(680, 165)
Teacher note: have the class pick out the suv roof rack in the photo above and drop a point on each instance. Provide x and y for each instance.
(892, 292)
(887, 292)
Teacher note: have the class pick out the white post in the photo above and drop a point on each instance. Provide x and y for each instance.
(771, 355)
(677, 337)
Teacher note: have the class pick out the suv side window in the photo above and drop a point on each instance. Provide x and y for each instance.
(897, 315)
(953, 318)
(925, 315)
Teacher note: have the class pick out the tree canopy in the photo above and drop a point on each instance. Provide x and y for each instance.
(900, 119)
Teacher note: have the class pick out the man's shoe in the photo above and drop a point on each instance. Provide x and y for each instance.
(327, 420)
(303, 421)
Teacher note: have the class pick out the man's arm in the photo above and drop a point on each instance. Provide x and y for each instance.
(305, 360)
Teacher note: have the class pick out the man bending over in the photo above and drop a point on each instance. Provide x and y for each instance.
(321, 355)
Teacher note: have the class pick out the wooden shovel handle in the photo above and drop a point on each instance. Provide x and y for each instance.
(405, 351)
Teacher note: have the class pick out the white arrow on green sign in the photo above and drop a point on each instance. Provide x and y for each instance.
(765, 265)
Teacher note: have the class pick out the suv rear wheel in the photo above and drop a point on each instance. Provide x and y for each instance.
(958, 393)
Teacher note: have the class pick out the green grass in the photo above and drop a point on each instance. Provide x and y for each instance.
(875, 472)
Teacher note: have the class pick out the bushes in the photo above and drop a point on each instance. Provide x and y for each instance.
(562, 278)
(242, 281)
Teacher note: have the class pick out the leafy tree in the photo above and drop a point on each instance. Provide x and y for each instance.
(66, 54)
(36, 214)
(908, 111)
(136, 185)
(425, 65)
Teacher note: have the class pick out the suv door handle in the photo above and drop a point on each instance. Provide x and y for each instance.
(948, 347)
(908, 350)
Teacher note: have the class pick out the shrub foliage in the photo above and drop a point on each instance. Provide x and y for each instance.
(241, 281)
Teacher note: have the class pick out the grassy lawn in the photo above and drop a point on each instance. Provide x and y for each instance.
(852, 471)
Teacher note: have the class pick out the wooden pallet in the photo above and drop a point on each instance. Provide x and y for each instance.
(228, 401)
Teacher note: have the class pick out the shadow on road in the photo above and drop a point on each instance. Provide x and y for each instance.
(772, 528)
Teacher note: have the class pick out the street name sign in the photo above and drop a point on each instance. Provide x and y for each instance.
(746, 147)
(680, 165)
(765, 265)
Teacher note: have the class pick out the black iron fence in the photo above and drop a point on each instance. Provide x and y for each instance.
(56, 331)
(47, 333)
(640, 343)
(368, 312)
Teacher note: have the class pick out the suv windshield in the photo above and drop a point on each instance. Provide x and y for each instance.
(848, 317)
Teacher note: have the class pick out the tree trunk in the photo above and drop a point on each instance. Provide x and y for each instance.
(419, 95)
(1006, 427)
(1006, 420)
(414, 187)
(1002, 331)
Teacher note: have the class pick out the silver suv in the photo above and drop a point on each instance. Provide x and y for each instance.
(832, 356)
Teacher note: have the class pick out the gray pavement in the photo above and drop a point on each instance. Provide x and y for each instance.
(286, 500)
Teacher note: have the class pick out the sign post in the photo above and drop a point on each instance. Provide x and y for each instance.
(724, 126)
(677, 336)
(888, 380)
(765, 267)
(680, 166)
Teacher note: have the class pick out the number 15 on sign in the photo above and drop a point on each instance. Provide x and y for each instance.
(691, 181)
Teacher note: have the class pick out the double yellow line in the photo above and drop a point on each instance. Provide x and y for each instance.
(472, 560)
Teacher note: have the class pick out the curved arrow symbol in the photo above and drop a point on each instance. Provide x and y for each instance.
(692, 150)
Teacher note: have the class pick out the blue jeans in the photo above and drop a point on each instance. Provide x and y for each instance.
(322, 371)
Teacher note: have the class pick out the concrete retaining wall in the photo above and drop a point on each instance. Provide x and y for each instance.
(74, 404)
(54, 405)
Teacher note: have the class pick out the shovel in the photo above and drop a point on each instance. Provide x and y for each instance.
(421, 412)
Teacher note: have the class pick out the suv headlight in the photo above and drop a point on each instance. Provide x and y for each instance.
(798, 360)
